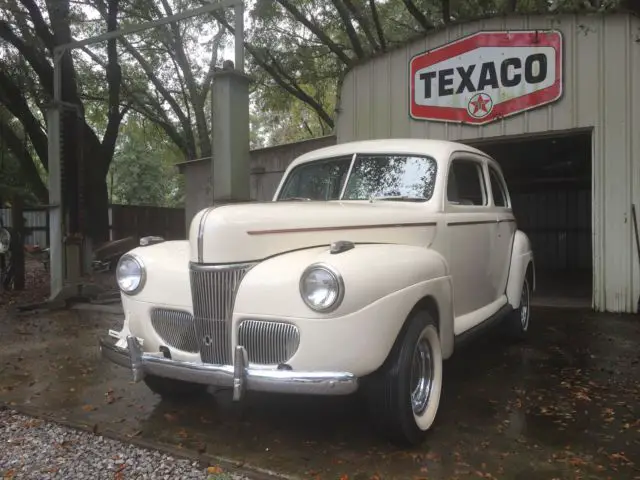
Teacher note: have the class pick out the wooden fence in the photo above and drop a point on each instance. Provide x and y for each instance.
(124, 221)
(131, 220)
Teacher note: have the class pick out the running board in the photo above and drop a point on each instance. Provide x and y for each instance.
(468, 336)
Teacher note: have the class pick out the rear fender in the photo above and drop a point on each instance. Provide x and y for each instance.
(521, 258)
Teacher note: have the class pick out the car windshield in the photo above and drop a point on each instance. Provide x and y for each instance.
(373, 176)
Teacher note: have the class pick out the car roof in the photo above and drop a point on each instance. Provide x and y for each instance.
(439, 149)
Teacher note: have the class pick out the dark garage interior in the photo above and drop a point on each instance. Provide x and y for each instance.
(549, 181)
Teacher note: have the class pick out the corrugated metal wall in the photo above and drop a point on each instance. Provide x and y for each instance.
(601, 90)
(35, 222)
(559, 227)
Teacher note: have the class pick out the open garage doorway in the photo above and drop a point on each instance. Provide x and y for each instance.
(549, 179)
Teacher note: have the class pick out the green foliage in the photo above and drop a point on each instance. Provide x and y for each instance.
(11, 179)
(298, 52)
(143, 170)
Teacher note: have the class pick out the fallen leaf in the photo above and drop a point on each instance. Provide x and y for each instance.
(170, 417)
(619, 456)
(433, 456)
(214, 469)
(88, 408)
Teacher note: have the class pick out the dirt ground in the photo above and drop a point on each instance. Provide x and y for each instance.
(564, 405)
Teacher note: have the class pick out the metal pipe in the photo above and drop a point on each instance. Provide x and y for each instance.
(146, 25)
(239, 36)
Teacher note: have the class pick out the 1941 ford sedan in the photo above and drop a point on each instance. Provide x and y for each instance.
(370, 264)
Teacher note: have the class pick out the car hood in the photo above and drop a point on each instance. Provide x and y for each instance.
(254, 231)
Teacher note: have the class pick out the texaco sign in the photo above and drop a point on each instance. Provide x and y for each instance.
(486, 76)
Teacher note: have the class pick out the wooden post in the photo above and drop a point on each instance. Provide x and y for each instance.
(17, 250)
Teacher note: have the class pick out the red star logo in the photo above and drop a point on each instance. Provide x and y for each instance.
(481, 103)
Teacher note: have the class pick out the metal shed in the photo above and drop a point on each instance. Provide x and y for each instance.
(573, 163)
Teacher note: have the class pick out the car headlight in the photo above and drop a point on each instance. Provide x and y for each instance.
(130, 274)
(321, 287)
(5, 240)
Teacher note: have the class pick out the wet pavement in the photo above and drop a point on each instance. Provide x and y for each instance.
(564, 405)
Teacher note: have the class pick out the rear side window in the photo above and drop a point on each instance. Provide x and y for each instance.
(497, 188)
(465, 185)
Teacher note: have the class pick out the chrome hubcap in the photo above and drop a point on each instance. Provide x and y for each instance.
(421, 376)
(524, 306)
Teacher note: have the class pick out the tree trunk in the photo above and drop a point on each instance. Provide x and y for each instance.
(95, 198)
(98, 223)
(69, 156)
(17, 252)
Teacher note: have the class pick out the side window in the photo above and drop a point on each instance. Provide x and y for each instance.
(465, 185)
(497, 188)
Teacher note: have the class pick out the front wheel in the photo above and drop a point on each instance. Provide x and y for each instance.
(405, 393)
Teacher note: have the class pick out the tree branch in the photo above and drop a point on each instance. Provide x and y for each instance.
(317, 31)
(191, 84)
(153, 78)
(17, 146)
(446, 10)
(38, 62)
(418, 15)
(114, 81)
(12, 98)
(363, 22)
(277, 76)
(291, 86)
(376, 21)
(351, 32)
(217, 39)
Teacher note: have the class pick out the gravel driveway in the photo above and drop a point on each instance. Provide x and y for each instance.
(33, 448)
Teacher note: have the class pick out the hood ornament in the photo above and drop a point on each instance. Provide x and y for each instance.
(341, 246)
(150, 240)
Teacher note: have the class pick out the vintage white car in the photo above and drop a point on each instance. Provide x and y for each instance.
(371, 263)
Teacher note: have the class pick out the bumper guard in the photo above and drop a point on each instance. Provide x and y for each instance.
(240, 376)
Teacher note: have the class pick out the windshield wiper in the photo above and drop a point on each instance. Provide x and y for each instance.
(402, 198)
(294, 199)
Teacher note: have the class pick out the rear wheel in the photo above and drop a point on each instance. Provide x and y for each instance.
(518, 322)
(405, 393)
(172, 389)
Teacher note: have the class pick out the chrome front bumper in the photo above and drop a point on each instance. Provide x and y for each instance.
(239, 376)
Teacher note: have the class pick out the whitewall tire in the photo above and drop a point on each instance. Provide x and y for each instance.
(404, 394)
(519, 321)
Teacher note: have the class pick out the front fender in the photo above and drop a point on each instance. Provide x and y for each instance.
(370, 272)
(383, 283)
(521, 257)
(167, 274)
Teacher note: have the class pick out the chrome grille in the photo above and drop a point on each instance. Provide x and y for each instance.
(213, 289)
(268, 343)
(176, 328)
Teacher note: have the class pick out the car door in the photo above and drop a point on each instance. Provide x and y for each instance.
(504, 230)
(469, 230)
